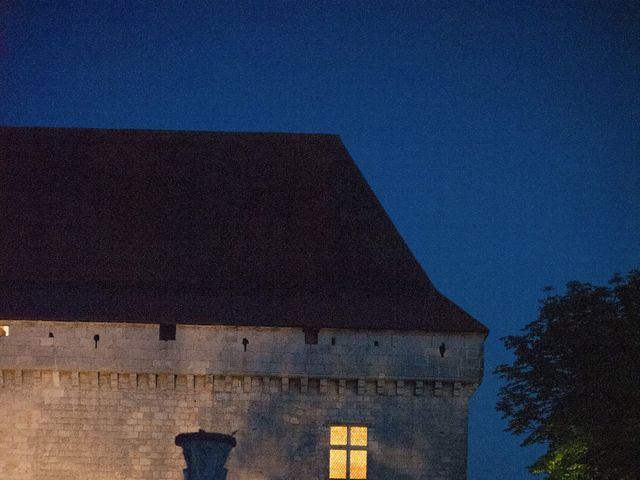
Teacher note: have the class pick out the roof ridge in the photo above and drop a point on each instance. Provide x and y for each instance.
(162, 130)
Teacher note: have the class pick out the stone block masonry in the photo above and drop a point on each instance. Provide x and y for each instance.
(74, 410)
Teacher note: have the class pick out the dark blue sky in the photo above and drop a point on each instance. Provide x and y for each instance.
(502, 137)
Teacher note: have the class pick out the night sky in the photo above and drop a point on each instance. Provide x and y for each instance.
(502, 138)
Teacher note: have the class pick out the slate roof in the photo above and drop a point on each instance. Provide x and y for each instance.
(203, 228)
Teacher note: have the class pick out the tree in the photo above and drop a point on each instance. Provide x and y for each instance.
(575, 382)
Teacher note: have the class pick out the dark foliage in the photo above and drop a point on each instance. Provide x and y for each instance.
(575, 382)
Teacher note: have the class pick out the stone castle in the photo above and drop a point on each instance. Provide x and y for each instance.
(155, 282)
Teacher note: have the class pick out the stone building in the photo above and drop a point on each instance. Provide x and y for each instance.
(153, 283)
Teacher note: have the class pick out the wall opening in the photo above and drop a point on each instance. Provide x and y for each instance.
(167, 332)
(4, 330)
(311, 336)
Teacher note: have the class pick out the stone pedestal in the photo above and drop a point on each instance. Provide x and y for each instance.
(205, 454)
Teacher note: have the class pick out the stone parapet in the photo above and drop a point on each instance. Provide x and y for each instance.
(243, 351)
(238, 383)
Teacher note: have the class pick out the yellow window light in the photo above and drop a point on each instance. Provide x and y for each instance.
(348, 452)
(358, 464)
(359, 436)
(338, 435)
(337, 463)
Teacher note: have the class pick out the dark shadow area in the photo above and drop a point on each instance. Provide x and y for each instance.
(205, 454)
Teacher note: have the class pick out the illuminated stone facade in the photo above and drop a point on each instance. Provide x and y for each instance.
(77, 408)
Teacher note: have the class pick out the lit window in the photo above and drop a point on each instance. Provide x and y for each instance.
(348, 452)
(4, 331)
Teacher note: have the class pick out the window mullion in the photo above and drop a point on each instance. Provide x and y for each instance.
(348, 452)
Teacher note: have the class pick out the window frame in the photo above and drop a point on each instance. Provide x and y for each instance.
(348, 448)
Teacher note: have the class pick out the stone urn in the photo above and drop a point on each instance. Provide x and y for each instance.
(205, 454)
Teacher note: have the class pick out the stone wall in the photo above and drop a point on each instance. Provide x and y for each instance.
(76, 411)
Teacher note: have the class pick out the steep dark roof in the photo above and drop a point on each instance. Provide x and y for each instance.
(203, 228)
